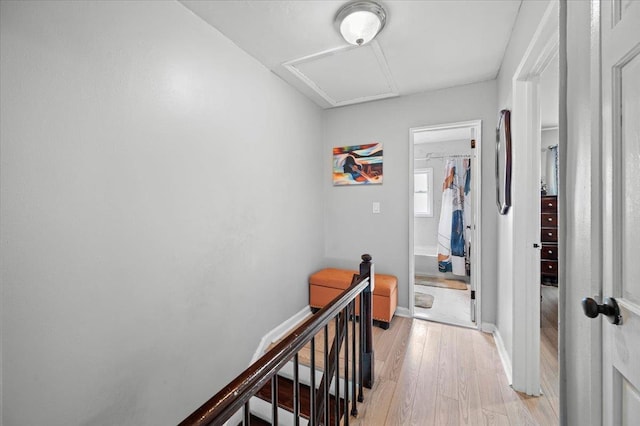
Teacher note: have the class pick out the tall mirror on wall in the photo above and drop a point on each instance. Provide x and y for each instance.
(444, 212)
(503, 162)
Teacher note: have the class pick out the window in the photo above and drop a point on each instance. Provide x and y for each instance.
(423, 192)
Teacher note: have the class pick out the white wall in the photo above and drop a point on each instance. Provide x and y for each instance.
(527, 22)
(161, 208)
(549, 137)
(352, 229)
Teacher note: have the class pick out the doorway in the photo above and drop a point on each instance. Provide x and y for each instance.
(444, 227)
(549, 235)
(526, 193)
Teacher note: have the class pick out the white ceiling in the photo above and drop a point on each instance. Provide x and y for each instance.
(425, 45)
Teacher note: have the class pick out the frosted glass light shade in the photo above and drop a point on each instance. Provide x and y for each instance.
(360, 22)
(360, 27)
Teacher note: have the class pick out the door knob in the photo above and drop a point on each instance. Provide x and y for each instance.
(609, 308)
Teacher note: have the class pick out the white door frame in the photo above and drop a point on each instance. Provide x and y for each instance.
(526, 201)
(476, 178)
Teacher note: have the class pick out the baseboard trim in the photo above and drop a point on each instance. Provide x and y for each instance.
(487, 327)
(502, 350)
(403, 312)
(280, 331)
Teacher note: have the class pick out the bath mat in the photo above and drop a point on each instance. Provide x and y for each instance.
(423, 300)
(440, 282)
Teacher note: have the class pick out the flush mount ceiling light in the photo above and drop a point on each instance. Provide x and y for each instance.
(359, 22)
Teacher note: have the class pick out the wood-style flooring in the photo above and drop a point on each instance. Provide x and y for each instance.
(434, 374)
(427, 373)
(549, 378)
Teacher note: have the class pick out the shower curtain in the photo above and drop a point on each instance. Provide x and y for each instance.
(466, 208)
(455, 214)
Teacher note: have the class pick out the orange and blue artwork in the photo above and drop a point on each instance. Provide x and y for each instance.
(357, 164)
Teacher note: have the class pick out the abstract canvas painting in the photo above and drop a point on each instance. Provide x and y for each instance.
(357, 164)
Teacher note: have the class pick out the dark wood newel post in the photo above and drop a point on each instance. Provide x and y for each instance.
(366, 267)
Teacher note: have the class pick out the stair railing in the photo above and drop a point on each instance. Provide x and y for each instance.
(237, 394)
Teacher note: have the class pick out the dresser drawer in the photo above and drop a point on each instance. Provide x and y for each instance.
(549, 204)
(549, 252)
(549, 267)
(549, 235)
(549, 219)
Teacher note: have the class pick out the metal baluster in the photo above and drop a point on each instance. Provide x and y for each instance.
(274, 400)
(326, 382)
(296, 391)
(360, 351)
(354, 407)
(346, 366)
(247, 414)
(337, 377)
(312, 420)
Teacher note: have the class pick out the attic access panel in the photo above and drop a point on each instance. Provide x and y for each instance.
(346, 75)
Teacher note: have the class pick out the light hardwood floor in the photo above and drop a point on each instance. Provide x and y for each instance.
(549, 378)
(427, 373)
(435, 374)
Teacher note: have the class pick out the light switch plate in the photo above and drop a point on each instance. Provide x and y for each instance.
(376, 207)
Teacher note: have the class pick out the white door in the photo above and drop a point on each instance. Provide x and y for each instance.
(620, 50)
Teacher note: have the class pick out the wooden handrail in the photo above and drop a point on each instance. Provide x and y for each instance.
(222, 406)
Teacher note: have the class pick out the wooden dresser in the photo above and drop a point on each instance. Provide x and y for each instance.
(549, 238)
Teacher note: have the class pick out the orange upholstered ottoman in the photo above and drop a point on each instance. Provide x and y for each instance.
(328, 283)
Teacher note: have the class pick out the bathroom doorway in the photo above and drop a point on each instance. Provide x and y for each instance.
(444, 224)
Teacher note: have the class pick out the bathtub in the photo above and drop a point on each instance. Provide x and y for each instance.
(426, 261)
